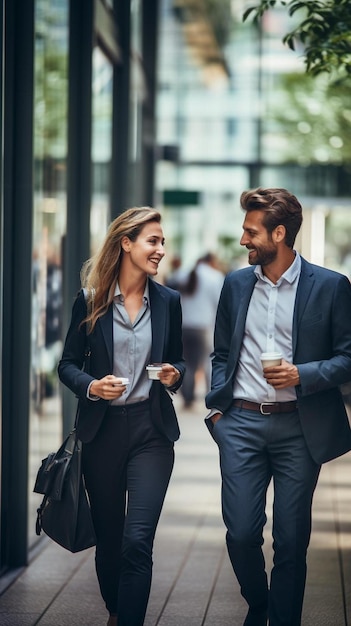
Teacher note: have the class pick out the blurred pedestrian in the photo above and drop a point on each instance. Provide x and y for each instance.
(176, 274)
(200, 290)
(127, 428)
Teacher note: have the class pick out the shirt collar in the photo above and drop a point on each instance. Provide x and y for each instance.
(118, 295)
(289, 275)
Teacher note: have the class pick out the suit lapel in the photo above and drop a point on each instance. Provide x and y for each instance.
(106, 325)
(240, 320)
(304, 287)
(244, 305)
(158, 321)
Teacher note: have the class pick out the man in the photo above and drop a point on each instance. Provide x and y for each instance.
(284, 422)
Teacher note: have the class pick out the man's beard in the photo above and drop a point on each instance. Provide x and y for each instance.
(263, 256)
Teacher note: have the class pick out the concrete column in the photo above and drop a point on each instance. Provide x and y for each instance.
(311, 239)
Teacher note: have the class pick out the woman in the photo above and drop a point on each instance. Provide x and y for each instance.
(127, 430)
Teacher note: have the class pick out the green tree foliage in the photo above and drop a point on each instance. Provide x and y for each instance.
(311, 118)
(324, 30)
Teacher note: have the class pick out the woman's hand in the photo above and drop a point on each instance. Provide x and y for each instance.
(169, 375)
(108, 388)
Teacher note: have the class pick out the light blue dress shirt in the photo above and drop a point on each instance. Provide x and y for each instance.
(132, 348)
(268, 328)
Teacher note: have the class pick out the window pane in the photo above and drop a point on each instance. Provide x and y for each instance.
(101, 147)
(49, 225)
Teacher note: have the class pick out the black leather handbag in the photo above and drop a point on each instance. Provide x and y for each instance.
(64, 514)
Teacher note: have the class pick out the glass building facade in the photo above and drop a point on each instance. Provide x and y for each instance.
(73, 83)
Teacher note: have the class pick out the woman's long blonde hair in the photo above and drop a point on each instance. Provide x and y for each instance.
(99, 273)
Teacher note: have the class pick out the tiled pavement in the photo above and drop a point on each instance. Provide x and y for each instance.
(193, 583)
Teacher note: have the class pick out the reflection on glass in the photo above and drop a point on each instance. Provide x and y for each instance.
(137, 97)
(101, 147)
(49, 225)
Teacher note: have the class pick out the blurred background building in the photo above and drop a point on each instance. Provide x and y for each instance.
(108, 104)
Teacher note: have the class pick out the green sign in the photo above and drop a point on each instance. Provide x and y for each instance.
(180, 197)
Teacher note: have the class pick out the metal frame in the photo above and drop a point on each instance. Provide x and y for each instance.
(17, 283)
(76, 245)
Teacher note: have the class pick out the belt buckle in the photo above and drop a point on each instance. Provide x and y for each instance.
(265, 404)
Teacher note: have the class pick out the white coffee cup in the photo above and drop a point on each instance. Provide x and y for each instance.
(122, 381)
(268, 359)
(153, 369)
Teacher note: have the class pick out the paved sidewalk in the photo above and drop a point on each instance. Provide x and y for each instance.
(193, 583)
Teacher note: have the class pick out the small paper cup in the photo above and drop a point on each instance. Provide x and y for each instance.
(269, 359)
(123, 381)
(153, 369)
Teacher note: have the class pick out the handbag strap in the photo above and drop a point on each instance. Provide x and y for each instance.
(87, 350)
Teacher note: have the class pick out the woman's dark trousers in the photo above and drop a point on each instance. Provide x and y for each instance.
(127, 469)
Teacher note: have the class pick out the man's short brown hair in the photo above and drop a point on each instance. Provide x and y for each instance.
(279, 206)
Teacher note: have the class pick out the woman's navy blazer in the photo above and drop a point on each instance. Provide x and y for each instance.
(166, 324)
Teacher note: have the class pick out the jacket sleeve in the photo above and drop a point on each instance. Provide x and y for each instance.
(328, 337)
(174, 352)
(71, 366)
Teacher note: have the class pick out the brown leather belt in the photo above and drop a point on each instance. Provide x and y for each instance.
(266, 408)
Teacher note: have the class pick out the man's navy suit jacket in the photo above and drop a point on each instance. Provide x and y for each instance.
(166, 320)
(321, 343)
